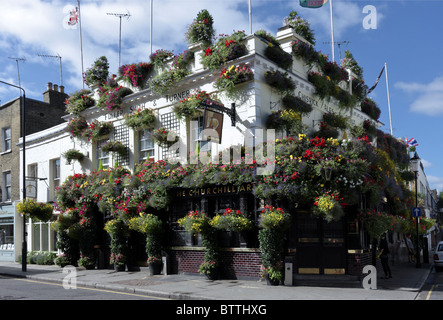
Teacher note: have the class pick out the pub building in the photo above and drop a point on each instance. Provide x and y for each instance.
(312, 245)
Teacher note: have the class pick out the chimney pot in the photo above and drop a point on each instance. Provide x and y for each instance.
(55, 87)
(49, 85)
(62, 89)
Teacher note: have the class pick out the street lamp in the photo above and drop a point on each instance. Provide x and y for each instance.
(23, 123)
(415, 162)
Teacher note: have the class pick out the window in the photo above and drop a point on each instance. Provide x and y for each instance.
(146, 145)
(102, 156)
(203, 145)
(32, 171)
(6, 139)
(6, 186)
(54, 177)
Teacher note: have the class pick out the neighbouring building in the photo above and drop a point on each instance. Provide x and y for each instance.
(39, 115)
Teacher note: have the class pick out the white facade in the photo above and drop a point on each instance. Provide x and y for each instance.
(44, 150)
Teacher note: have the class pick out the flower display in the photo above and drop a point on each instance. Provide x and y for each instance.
(79, 101)
(77, 126)
(159, 57)
(272, 217)
(201, 29)
(135, 74)
(329, 206)
(231, 76)
(112, 97)
(187, 108)
(227, 48)
(98, 73)
(35, 210)
(140, 119)
(231, 220)
(194, 222)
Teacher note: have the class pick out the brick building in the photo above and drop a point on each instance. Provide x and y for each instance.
(39, 115)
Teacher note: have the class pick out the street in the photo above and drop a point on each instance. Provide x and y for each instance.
(433, 288)
(26, 289)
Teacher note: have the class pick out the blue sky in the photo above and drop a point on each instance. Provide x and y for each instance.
(407, 37)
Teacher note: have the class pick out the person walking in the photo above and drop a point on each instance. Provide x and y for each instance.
(384, 256)
(410, 247)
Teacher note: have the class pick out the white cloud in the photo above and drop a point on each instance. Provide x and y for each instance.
(429, 97)
(435, 182)
(426, 163)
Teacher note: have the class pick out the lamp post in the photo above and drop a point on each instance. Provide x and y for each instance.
(23, 123)
(415, 162)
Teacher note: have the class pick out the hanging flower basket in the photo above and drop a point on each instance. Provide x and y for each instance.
(164, 137)
(36, 210)
(114, 146)
(135, 74)
(79, 101)
(232, 76)
(231, 220)
(77, 126)
(195, 222)
(140, 119)
(73, 154)
(98, 129)
(187, 108)
(329, 207)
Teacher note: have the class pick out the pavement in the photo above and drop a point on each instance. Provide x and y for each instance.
(405, 284)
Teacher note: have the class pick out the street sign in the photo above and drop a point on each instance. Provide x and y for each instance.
(416, 212)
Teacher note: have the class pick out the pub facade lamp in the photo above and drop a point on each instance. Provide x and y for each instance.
(415, 162)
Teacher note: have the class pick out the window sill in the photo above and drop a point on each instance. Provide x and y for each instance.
(5, 152)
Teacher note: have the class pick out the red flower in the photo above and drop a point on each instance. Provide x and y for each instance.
(208, 52)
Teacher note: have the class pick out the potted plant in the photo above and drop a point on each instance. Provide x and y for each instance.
(98, 129)
(98, 73)
(118, 231)
(35, 210)
(201, 29)
(160, 57)
(140, 119)
(73, 154)
(273, 222)
(111, 97)
(152, 227)
(300, 26)
(280, 81)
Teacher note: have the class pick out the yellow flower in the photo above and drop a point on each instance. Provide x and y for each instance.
(301, 136)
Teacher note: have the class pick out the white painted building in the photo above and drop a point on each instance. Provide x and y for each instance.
(47, 167)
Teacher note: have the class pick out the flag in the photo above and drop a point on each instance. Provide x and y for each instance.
(411, 142)
(71, 19)
(312, 3)
(376, 81)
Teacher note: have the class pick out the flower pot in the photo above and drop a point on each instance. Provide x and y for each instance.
(213, 275)
(272, 282)
(119, 267)
(154, 268)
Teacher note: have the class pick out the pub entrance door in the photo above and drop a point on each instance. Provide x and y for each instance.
(320, 246)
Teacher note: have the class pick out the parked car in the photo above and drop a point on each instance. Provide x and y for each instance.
(438, 256)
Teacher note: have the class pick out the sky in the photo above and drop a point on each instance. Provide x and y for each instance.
(404, 34)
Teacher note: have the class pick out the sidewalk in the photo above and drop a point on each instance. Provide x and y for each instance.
(406, 283)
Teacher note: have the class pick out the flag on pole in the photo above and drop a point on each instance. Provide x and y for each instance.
(411, 142)
(71, 20)
(376, 81)
(312, 3)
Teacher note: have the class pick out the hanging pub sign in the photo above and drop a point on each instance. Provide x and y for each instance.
(212, 126)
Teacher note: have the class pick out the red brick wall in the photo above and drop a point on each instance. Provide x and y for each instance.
(234, 264)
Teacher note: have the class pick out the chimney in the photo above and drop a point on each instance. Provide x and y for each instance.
(53, 96)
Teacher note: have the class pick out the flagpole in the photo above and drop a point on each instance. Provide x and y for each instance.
(389, 100)
(151, 23)
(81, 42)
(250, 17)
(332, 32)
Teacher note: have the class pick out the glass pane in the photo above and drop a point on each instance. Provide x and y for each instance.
(36, 236)
(45, 237)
